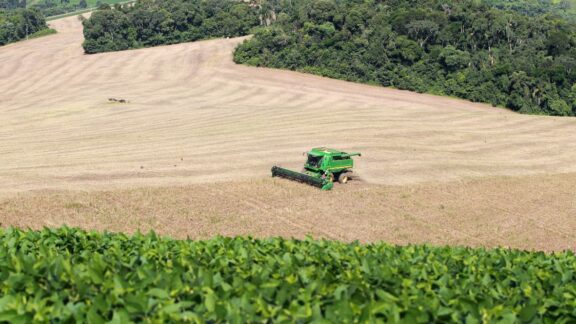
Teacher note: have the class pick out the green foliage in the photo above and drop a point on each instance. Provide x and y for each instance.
(68, 275)
(152, 23)
(560, 107)
(55, 8)
(107, 29)
(563, 8)
(20, 24)
(43, 32)
(12, 4)
(454, 59)
(460, 48)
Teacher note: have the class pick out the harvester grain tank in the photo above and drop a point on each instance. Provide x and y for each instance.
(323, 166)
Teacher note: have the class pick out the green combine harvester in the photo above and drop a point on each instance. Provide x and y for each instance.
(323, 166)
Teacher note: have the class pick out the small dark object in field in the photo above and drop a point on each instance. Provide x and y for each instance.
(118, 100)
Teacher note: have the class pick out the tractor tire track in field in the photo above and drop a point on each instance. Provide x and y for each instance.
(264, 209)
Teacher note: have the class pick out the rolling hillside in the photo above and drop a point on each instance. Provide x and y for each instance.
(195, 119)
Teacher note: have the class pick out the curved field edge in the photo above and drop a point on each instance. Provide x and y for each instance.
(69, 274)
(467, 50)
(426, 46)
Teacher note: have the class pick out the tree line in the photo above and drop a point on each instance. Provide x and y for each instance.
(51, 7)
(158, 22)
(12, 4)
(20, 24)
(466, 49)
(564, 8)
(59, 7)
(471, 49)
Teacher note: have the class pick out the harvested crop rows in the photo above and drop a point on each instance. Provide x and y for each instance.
(522, 212)
(194, 117)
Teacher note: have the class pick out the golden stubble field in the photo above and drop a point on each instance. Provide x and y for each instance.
(190, 153)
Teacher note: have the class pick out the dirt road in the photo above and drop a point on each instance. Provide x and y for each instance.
(193, 117)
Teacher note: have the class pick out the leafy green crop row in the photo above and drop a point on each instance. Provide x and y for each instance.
(72, 275)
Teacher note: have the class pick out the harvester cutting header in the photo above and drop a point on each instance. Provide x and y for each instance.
(323, 166)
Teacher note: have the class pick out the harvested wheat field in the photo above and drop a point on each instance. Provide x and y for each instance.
(190, 151)
(535, 213)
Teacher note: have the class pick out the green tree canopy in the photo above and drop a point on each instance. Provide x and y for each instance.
(20, 24)
(525, 61)
(152, 23)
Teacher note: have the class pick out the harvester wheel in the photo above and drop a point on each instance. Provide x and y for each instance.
(328, 176)
(344, 177)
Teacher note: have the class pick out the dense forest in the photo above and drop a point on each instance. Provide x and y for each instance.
(12, 4)
(20, 24)
(151, 23)
(465, 49)
(564, 8)
(59, 7)
(54, 7)
(471, 49)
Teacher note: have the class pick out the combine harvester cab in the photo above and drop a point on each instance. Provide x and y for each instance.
(323, 166)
